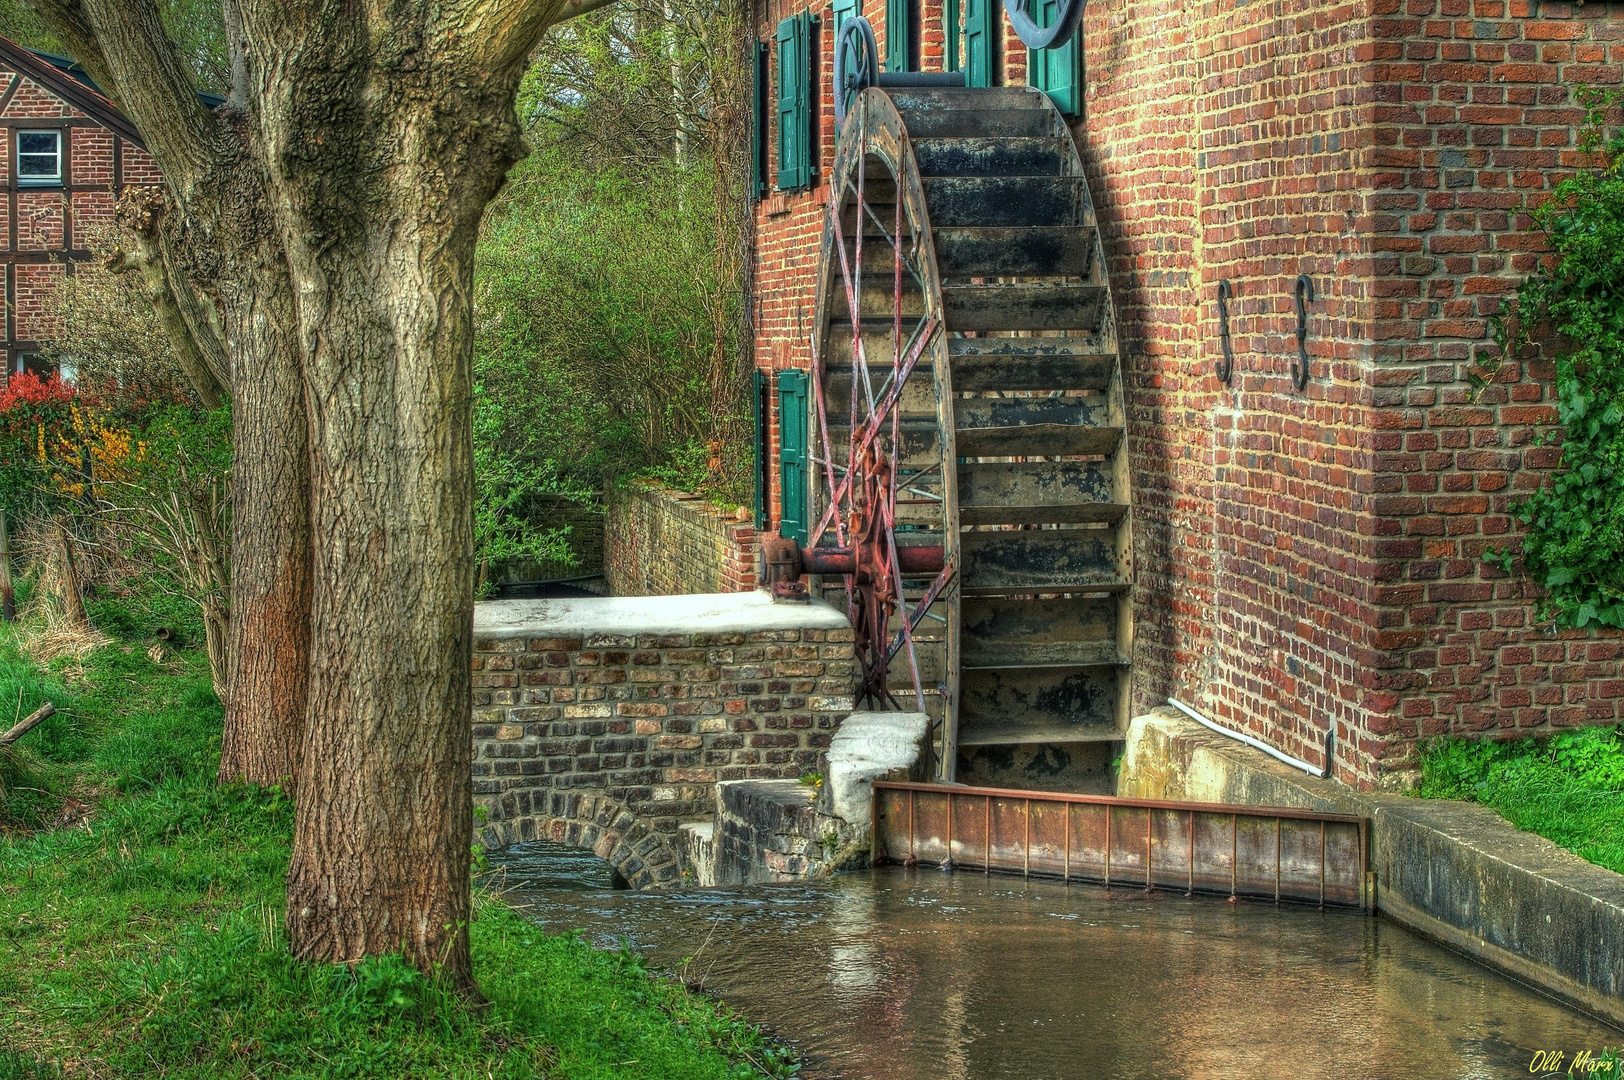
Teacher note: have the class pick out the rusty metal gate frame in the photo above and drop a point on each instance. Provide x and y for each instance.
(1261, 852)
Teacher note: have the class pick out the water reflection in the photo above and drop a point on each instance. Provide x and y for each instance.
(919, 975)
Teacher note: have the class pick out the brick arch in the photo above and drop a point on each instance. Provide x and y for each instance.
(643, 856)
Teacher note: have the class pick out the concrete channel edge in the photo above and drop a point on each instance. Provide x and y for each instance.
(1453, 872)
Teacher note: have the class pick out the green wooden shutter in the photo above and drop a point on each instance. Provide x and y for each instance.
(898, 54)
(763, 448)
(794, 103)
(951, 11)
(792, 451)
(758, 116)
(1057, 71)
(840, 11)
(978, 41)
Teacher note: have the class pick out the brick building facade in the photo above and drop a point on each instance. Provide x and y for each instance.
(1305, 559)
(65, 154)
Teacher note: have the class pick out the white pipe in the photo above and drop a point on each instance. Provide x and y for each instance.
(1296, 763)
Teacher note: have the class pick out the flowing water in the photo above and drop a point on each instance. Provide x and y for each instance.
(919, 975)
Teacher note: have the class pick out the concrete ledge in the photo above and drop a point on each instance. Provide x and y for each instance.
(698, 852)
(1455, 872)
(623, 616)
(870, 746)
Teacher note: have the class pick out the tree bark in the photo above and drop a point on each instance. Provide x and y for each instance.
(8, 593)
(272, 560)
(332, 209)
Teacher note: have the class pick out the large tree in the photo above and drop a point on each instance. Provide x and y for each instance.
(316, 246)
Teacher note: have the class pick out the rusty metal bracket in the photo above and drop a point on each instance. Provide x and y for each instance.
(1226, 366)
(1304, 297)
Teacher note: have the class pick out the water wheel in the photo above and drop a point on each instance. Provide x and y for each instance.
(970, 494)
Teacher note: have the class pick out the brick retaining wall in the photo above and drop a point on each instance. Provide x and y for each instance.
(658, 541)
(606, 723)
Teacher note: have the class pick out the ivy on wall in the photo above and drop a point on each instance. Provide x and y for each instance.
(1574, 543)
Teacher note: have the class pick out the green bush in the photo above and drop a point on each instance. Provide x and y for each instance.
(1574, 543)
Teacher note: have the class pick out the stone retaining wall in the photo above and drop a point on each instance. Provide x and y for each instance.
(658, 541)
(606, 723)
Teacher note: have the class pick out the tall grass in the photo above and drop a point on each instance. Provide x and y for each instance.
(146, 939)
(1568, 788)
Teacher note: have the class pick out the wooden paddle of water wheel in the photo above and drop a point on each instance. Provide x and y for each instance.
(970, 505)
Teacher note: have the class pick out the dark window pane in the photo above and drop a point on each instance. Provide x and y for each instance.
(39, 155)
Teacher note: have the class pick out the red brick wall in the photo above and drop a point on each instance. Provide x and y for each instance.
(43, 231)
(1475, 122)
(661, 542)
(1313, 558)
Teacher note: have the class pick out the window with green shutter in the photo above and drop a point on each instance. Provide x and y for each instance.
(758, 119)
(794, 102)
(792, 455)
(1058, 71)
(763, 447)
(979, 32)
(839, 12)
(951, 19)
(899, 54)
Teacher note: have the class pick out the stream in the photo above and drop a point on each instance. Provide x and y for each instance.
(897, 974)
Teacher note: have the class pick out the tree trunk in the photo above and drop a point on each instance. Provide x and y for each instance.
(271, 571)
(331, 208)
(8, 594)
(384, 818)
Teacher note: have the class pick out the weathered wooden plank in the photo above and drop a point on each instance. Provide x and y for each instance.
(1030, 363)
(1040, 560)
(913, 100)
(989, 485)
(1000, 632)
(1040, 704)
(1026, 306)
(987, 157)
(1022, 251)
(986, 201)
(954, 123)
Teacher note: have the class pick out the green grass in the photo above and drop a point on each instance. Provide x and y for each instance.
(1568, 788)
(147, 941)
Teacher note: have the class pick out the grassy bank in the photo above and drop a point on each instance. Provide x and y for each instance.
(1568, 788)
(141, 912)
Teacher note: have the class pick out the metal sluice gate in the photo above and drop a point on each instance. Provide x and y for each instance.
(1252, 851)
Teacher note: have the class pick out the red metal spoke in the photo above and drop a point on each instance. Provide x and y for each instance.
(871, 427)
(902, 606)
(932, 594)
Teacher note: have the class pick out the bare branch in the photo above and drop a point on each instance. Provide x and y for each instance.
(192, 326)
(123, 45)
(580, 7)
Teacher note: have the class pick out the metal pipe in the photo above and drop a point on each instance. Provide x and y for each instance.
(1323, 772)
(911, 559)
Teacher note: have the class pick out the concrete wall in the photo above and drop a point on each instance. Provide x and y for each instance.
(607, 722)
(658, 541)
(1455, 872)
